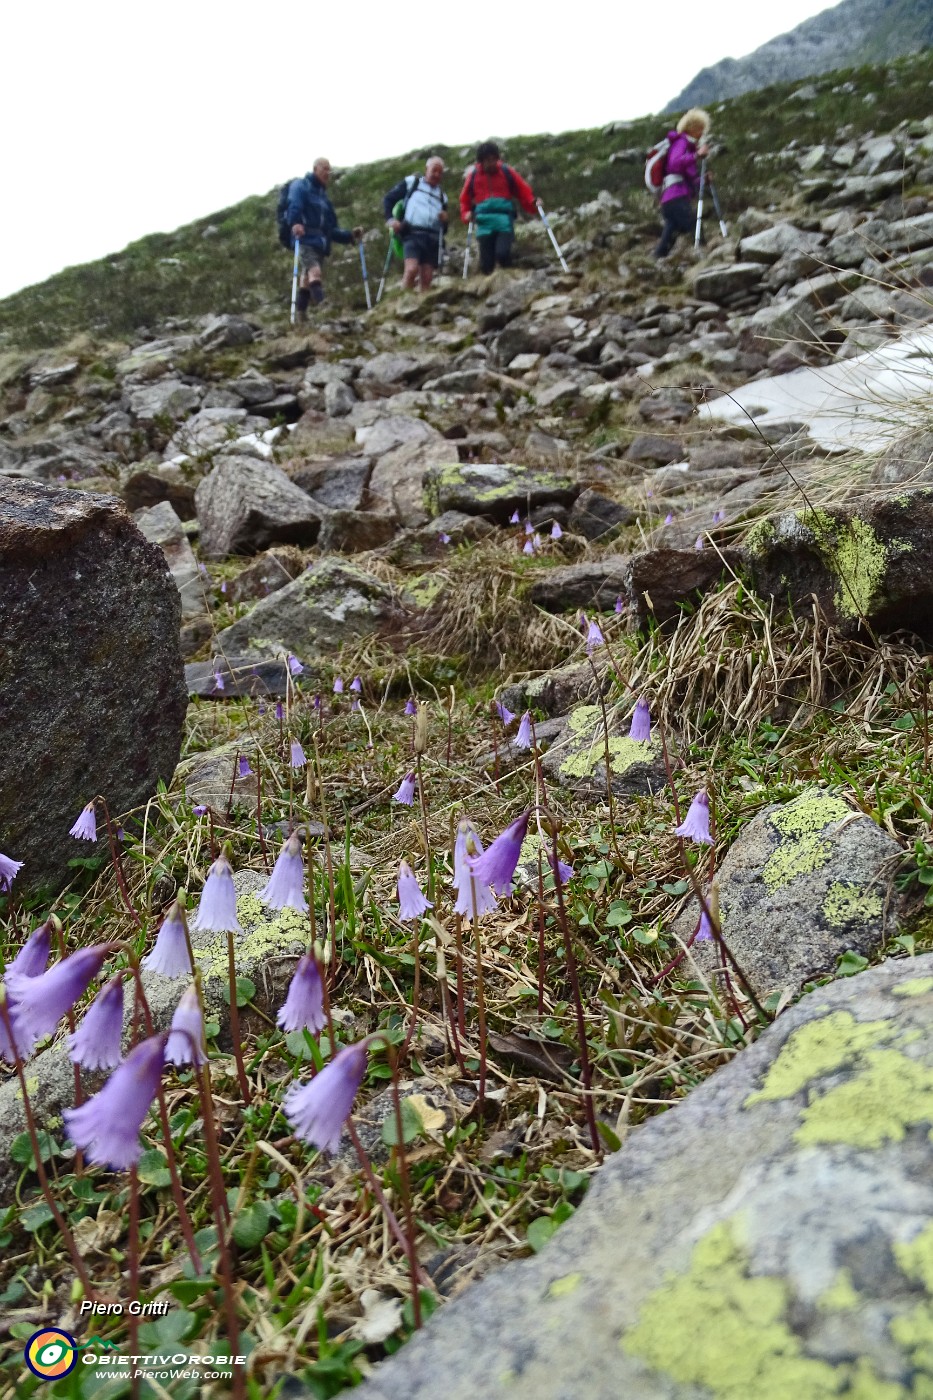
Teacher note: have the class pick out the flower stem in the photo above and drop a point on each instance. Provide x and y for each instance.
(135, 1388)
(63, 1229)
(480, 998)
(577, 998)
(235, 1023)
(118, 865)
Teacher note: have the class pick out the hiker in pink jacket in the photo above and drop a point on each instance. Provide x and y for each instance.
(682, 177)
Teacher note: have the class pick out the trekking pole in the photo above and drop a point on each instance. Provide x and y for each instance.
(466, 253)
(696, 241)
(563, 260)
(440, 247)
(295, 283)
(385, 271)
(369, 300)
(722, 223)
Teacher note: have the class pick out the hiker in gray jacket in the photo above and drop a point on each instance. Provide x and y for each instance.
(422, 223)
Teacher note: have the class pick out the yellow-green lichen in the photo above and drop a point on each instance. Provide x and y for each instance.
(848, 904)
(718, 1327)
(877, 1105)
(588, 746)
(809, 813)
(840, 1296)
(758, 539)
(265, 935)
(561, 1287)
(914, 1332)
(855, 555)
(819, 1048)
(913, 987)
(794, 858)
(425, 590)
(916, 1258)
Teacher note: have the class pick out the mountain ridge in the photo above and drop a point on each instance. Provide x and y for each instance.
(851, 33)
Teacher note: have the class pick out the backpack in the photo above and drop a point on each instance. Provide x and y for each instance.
(507, 171)
(311, 221)
(399, 208)
(655, 163)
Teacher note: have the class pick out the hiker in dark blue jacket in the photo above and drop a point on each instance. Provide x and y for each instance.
(314, 223)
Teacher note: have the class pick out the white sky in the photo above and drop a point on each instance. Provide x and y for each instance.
(122, 119)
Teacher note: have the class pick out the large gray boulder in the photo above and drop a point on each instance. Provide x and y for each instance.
(166, 398)
(92, 696)
(329, 604)
(804, 882)
(245, 505)
(496, 489)
(770, 1236)
(871, 562)
(729, 280)
(774, 243)
(397, 481)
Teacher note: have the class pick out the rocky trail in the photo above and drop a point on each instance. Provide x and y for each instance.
(254, 576)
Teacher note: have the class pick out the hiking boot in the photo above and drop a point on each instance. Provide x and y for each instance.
(317, 293)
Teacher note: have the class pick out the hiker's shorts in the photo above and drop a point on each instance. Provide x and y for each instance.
(421, 243)
(309, 259)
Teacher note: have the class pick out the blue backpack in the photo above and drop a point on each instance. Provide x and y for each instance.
(311, 221)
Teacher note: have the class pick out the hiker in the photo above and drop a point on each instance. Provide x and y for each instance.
(421, 222)
(490, 193)
(682, 177)
(313, 222)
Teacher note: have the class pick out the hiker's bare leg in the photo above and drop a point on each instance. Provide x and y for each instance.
(427, 276)
(410, 275)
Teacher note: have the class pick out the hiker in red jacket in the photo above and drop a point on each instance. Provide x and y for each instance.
(488, 198)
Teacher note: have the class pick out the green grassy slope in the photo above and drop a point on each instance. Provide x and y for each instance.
(231, 260)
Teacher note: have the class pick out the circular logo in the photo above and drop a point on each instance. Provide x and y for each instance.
(51, 1354)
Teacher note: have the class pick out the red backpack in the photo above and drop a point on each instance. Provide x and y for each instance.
(655, 163)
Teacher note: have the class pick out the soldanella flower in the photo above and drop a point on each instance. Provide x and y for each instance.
(96, 1042)
(317, 1111)
(505, 714)
(406, 791)
(411, 707)
(705, 931)
(514, 518)
(244, 770)
(285, 888)
(556, 531)
(472, 897)
(298, 759)
(528, 547)
(216, 911)
(32, 959)
(641, 723)
(443, 537)
(200, 810)
(338, 686)
(411, 902)
(496, 865)
(619, 605)
(304, 1005)
(695, 825)
(356, 684)
(106, 1128)
(523, 739)
(9, 869)
(698, 542)
(594, 636)
(169, 955)
(39, 1003)
(562, 871)
(219, 681)
(295, 667)
(85, 828)
(185, 1045)
(669, 518)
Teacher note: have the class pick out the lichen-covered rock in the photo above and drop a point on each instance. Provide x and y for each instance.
(92, 697)
(245, 505)
(577, 759)
(495, 488)
(330, 603)
(869, 562)
(804, 882)
(770, 1238)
